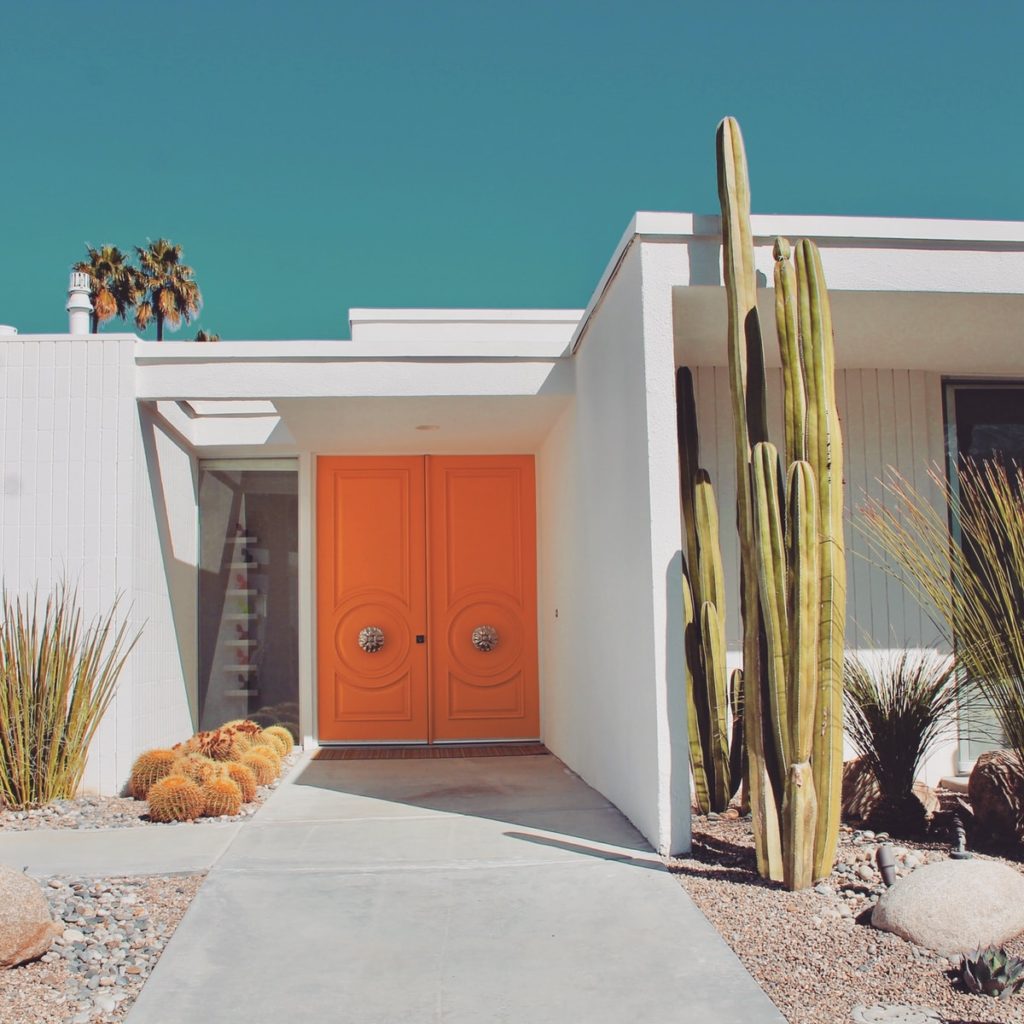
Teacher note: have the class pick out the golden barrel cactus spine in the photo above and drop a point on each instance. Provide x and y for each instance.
(261, 762)
(284, 735)
(150, 767)
(222, 796)
(175, 798)
(198, 768)
(244, 777)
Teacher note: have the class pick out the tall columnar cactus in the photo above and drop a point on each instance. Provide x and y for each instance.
(715, 777)
(792, 558)
(750, 422)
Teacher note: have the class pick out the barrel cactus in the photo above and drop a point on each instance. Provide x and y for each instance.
(198, 768)
(218, 744)
(222, 796)
(175, 798)
(284, 735)
(263, 763)
(150, 767)
(244, 777)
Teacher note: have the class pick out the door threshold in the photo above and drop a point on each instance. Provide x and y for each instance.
(429, 752)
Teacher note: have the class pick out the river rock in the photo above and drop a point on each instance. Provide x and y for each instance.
(26, 928)
(954, 906)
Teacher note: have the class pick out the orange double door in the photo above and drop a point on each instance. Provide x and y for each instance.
(426, 598)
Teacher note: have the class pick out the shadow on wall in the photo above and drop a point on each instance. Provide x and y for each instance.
(181, 577)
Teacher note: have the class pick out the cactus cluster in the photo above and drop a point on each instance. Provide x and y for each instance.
(212, 773)
(789, 517)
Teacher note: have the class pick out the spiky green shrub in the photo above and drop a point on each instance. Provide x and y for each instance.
(57, 679)
(244, 777)
(263, 763)
(992, 972)
(175, 798)
(898, 706)
(977, 601)
(222, 795)
(284, 735)
(149, 767)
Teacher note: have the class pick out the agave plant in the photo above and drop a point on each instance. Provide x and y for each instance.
(992, 972)
(898, 705)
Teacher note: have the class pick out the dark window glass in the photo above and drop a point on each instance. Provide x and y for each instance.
(248, 595)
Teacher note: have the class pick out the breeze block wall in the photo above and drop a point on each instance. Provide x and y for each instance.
(71, 506)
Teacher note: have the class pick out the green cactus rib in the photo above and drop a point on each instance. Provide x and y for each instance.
(747, 386)
(698, 743)
(787, 321)
(737, 743)
(825, 454)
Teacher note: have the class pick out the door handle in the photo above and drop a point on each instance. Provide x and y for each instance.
(485, 638)
(371, 639)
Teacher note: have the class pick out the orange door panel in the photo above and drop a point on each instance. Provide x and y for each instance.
(371, 576)
(482, 597)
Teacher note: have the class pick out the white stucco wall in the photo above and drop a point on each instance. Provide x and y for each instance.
(609, 570)
(72, 461)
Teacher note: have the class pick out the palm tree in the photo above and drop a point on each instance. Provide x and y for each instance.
(204, 335)
(169, 288)
(114, 284)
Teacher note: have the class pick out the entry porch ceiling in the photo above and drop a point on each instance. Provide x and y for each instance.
(951, 333)
(376, 426)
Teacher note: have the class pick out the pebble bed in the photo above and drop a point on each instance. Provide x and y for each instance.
(114, 932)
(815, 952)
(114, 928)
(96, 812)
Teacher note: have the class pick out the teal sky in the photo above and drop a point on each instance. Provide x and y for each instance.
(311, 157)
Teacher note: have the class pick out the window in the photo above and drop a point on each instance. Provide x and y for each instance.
(248, 592)
(984, 422)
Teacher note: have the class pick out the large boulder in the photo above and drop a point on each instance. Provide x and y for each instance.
(954, 906)
(996, 792)
(26, 928)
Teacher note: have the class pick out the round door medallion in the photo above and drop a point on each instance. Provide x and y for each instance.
(485, 638)
(371, 639)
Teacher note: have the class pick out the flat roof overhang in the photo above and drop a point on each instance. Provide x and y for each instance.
(951, 333)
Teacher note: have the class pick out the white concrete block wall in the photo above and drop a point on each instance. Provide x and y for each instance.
(67, 429)
(71, 503)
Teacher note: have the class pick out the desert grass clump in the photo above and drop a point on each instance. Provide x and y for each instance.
(150, 767)
(244, 777)
(284, 735)
(57, 679)
(175, 798)
(222, 795)
(898, 706)
(263, 763)
(974, 590)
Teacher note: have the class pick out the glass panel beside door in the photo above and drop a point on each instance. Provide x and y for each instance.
(248, 592)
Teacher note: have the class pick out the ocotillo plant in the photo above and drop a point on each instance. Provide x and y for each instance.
(792, 559)
(715, 773)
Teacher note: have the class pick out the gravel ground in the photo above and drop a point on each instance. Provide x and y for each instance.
(93, 812)
(812, 951)
(115, 931)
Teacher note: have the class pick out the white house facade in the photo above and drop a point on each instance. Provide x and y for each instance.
(241, 496)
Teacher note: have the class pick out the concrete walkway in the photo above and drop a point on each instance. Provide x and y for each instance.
(471, 891)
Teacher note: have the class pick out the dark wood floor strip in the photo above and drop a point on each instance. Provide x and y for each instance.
(428, 753)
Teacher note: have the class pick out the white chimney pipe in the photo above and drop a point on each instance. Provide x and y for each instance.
(79, 306)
